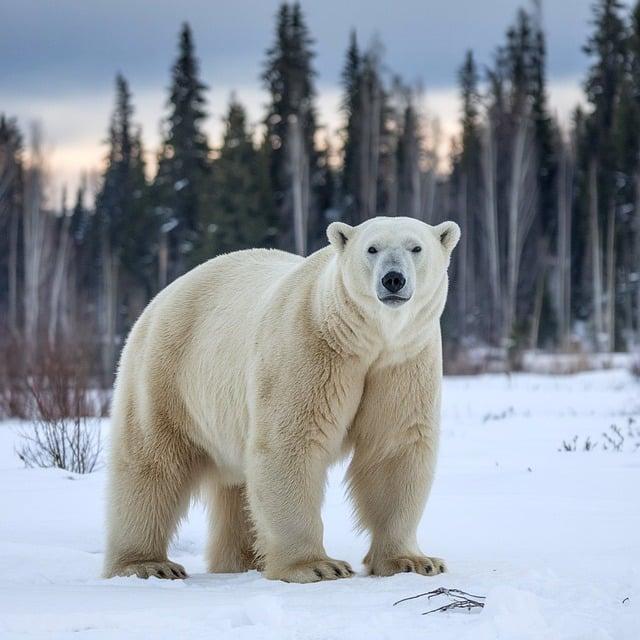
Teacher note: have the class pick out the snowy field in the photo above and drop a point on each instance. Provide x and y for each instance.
(552, 539)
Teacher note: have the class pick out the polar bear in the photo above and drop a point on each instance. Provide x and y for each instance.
(253, 373)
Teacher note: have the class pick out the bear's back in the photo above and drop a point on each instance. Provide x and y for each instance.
(201, 333)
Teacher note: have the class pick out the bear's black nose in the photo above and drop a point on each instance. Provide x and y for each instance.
(393, 281)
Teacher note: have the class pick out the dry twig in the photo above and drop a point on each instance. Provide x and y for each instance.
(460, 600)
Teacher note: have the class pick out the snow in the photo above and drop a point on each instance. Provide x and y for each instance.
(550, 538)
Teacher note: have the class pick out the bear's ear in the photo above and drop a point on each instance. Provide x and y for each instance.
(449, 234)
(339, 234)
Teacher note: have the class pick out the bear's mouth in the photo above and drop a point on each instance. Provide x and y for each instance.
(393, 300)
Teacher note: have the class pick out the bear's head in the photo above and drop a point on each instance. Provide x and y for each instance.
(392, 262)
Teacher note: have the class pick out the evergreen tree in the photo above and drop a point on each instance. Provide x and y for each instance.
(240, 213)
(631, 235)
(11, 188)
(352, 134)
(182, 184)
(469, 292)
(123, 217)
(122, 204)
(291, 127)
(607, 46)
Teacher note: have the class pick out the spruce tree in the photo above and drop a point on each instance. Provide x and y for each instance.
(352, 134)
(470, 292)
(240, 213)
(608, 48)
(11, 188)
(122, 204)
(183, 182)
(122, 217)
(291, 127)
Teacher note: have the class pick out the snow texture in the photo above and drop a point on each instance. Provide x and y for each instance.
(551, 538)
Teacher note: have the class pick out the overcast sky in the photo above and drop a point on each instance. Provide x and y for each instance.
(58, 58)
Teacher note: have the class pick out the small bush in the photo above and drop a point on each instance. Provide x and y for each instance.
(65, 443)
(58, 399)
(614, 439)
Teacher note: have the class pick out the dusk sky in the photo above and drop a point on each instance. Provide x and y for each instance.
(59, 58)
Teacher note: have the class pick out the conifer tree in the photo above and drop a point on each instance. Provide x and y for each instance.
(123, 217)
(240, 213)
(351, 193)
(470, 292)
(11, 186)
(182, 185)
(291, 127)
(607, 46)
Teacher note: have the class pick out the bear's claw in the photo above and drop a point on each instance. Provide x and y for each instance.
(313, 571)
(423, 565)
(166, 570)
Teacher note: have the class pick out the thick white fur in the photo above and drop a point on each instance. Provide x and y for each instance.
(253, 373)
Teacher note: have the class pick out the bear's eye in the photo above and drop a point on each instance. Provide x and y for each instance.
(417, 249)
(372, 250)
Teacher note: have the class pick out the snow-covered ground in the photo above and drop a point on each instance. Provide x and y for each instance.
(552, 539)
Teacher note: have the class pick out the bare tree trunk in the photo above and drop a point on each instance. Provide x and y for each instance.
(610, 297)
(463, 266)
(636, 264)
(596, 253)
(427, 204)
(429, 176)
(365, 155)
(534, 335)
(34, 243)
(414, 208)
(13, 270)
(522, 208)
(565, 202)
(60, 280)
(491, 220)
(298, 165)
(163, 260)
(109, 315)
(374, 152)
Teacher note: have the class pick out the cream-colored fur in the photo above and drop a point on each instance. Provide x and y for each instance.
(253, 373)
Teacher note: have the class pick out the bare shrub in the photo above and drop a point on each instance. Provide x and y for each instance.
(14, 399)
(58, 398)
(615, 439)
(70, 443)
(63, 372)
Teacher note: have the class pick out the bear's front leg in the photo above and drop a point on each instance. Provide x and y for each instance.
(286, 480)
(390, 495)
(395, 439)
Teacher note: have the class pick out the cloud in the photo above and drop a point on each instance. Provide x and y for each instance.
(60, 58)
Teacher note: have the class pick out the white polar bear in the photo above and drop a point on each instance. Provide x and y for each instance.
(253, 373)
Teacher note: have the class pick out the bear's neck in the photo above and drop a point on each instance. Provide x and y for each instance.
(352, 330)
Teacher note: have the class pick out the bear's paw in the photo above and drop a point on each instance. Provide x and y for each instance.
(165, 570)
(423, 565)
(310, 571)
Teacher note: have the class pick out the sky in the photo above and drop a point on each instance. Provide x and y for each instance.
(59, 59)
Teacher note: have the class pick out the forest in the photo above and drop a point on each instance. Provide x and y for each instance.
(550, 253)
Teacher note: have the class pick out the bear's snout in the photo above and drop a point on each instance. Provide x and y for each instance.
(393, 281)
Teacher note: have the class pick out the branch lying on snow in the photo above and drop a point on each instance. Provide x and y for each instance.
(459, 600)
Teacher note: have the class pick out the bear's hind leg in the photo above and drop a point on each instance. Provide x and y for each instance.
(149, 493)
(231, 538)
